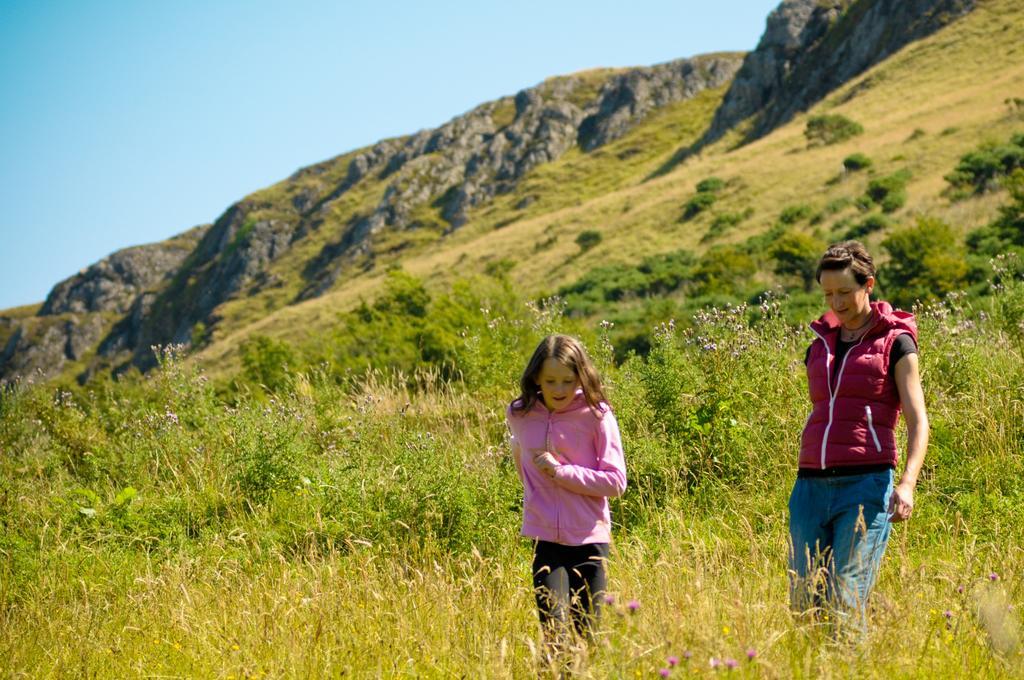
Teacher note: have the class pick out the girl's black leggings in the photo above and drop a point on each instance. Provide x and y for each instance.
(569, 580)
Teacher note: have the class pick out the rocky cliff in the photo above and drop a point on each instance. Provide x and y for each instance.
(79, 310)
(110, 315)
(468, 161)
(157, 295)
(811, 47)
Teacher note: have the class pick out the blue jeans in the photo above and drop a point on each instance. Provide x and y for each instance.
(838, 528)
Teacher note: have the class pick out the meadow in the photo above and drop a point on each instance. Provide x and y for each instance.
(324, 489)
(365, 523)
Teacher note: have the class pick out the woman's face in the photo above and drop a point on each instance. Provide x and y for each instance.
(847, 299)
(557, 383)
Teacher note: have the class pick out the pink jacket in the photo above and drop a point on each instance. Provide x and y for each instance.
(572, 508)
(855, 406)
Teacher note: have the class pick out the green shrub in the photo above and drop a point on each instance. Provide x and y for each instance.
(918, 133)
(984, 168)
(794, 213)
(857, 161)
(830, 129)
(889, 192)
(268, 362)
(1006, 233)
(656, 275)
(724, 269)
(722, 222)
(925, 262)
(796, 255)
(268, 447)
(831, 208)
(869, 225)
(588, 239)
(698, 204)
(711, 185)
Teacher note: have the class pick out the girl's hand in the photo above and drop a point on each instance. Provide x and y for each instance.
(901, 503)
(545, 462)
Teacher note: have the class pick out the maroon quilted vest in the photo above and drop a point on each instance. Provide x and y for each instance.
(855, 406)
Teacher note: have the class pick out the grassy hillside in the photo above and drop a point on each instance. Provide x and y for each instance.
(921, 110)
(366, 529)
(287, 506)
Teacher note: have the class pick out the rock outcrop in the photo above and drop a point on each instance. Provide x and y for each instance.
(811, 47)
(111, 284)
(39, 348)
(631, 96)
(473, 158)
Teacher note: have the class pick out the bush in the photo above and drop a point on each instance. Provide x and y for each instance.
(698, 204)
(890, 192)
(868, 225)
(984, 168)
(830, 129)
(723, 222)
(794, 213)
(656, 275)
(1006, 233)
(857, 161)
(918, 133)
(797, 255)
(588, 239)
(925, 262)
(831, 208)
(724, 270)
(268, 362)
(711, 185)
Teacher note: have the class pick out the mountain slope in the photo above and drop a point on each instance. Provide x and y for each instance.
(952, 87)
(284, 261)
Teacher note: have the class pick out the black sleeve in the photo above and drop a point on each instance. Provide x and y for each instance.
(901, 347)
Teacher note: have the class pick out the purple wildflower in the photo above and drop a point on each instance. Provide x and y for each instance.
(633, 605)
(731, 663)
(948, 614)
(993, 576)
(715, 663)
(609, 599)
(751, 654)
(687, 655)
(673, 661)
(664, 672)
(960, 589)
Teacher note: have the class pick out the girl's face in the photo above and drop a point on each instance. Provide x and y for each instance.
(847, 299)
(557, 383)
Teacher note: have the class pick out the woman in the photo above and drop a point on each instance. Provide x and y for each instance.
(862, 370)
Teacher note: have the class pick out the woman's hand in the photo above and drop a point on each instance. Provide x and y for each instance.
(901, 502)
(546, 462)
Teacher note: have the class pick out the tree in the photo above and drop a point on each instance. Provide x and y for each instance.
(926, 262)
(830, 129)
(797, 254)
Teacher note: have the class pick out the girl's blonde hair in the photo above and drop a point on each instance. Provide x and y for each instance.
(569, 351)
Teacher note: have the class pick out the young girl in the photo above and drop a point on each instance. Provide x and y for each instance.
(568, 453)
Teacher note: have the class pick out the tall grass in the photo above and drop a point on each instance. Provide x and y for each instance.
(368, 525)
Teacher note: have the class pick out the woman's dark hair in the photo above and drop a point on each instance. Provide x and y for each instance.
(567, 350)
(850, 254)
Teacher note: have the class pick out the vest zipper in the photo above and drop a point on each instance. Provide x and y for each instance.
(871, 427)
(839, 378)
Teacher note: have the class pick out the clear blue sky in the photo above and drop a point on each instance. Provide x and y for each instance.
(124, 123)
